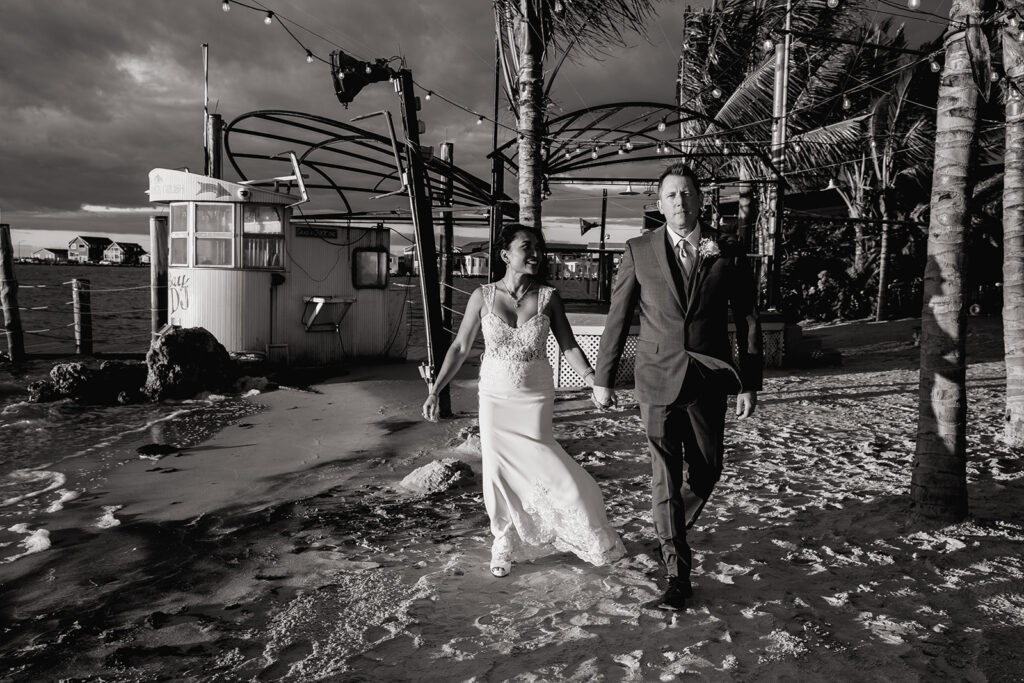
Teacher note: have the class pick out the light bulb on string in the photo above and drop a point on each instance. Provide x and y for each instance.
(658, 149)
(1012, 21)
(309, 57)
(622, 149)
(994, 77)
(768, 44)
(430, 93)
(593, 153)
(369, 69)
(661, 126)
(269, 19)
(226, 5)
(629, 145)
(558, 7)
(716, 92)
(832, 4)
(935, 66)
(846, 102)
(479, 120)
(726, 150)
(913, 4)
(796, 146)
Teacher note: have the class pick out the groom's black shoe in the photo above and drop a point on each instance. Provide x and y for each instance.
(679, 591)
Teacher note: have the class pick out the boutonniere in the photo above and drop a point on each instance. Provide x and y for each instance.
(708, 248)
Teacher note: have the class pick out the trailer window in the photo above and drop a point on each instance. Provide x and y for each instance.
(215, 230)
(178, 229)
(262, 237)
(370, 268)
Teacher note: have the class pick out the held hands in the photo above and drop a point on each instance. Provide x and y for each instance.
(745, 404)
(603, 397)
(431, 408)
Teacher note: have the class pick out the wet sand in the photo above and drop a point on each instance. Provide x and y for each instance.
(284, 547)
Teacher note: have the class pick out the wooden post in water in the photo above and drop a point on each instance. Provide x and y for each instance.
(82, 300)
(158, 272)
(9, 296)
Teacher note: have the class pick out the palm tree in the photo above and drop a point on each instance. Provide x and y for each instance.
(726, 50)
(900, 135)
(938, 486)
(526, 30)
(1013, 237)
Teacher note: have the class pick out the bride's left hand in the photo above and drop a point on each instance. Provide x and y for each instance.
(431, 408)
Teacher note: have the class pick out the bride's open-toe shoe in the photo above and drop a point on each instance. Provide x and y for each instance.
(501, 559)
(501, 570)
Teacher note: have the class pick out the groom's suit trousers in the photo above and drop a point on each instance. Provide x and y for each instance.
(686, 440)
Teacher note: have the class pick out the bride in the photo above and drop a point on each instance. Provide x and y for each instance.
(539, 499)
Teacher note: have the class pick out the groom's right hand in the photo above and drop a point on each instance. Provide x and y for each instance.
(603, 397)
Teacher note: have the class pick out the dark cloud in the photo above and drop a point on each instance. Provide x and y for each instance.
(95, 93)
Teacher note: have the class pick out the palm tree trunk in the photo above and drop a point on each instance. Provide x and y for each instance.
(938, 486)
(1013, 239)
(883, 260)
(531, 112)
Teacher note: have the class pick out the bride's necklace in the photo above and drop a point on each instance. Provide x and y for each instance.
(516, 299)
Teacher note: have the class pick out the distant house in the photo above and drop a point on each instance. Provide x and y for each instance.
(144, 259)
(127, 253)
(87, 249)
(51, 255)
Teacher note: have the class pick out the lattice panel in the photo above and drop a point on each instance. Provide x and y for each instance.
(566, 377)
(773, 343)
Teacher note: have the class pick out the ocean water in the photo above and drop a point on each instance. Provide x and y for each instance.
(53, 456)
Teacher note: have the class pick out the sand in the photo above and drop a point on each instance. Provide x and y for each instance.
(284, 548)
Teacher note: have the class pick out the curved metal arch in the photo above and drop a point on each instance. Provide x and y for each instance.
(566, 154)
(328, 147)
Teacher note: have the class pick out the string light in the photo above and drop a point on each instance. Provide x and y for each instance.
(226, 5)
(716, 92)
(622, 149)
(309, 57)
(593, 153)
(934, 66)
(832, 4)
(661, 126)
(846, 102)
(269, 19)
(479, 120)
(768, 45)
(629, 144)
(428, 95)
(913, 4)
(994, 77)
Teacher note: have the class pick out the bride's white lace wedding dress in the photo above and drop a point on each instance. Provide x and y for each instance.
(538, 498)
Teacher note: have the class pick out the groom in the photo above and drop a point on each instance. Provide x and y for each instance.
(685, 278)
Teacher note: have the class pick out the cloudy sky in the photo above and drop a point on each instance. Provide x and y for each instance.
(96, 93)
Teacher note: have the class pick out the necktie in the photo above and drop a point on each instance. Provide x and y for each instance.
(686, 257)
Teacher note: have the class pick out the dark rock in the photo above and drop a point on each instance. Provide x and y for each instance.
(112, 383)
(125, 379)
(186, 361)
(437, 476)
(75, 380)
(42, 391)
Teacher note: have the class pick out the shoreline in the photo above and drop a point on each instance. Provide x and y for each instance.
(247, 564)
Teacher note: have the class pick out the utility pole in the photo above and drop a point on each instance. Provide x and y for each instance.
(779, 115)
(423, 223)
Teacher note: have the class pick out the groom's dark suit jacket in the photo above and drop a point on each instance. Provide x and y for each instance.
(683, 325)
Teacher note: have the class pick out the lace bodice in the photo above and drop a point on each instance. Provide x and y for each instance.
(510, 352)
